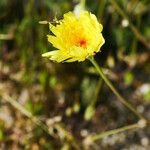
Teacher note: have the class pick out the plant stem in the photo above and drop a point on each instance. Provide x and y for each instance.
(16, 105)
(135, 40)
(82, 3)
(114, 131)
(38, 122)
(101, 8)
(98, 88)
(90, 110)
(133, 28)
(110, 85)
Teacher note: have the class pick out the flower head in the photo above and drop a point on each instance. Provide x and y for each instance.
(75, 38)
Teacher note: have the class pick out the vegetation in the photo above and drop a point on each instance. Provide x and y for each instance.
(49, 106)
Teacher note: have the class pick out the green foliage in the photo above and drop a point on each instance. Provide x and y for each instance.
(147, 96)
(34, 108)
(1, 134)
(128, 78)
(127, 34)
(52, 81)
(89, 113)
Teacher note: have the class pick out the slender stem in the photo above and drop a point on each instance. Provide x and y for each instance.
(82, 3)
(98, 88)
(90, 110)
(110, 85)
(133, 28)
(24, 111)
(101, 8)
(114, 131)
(38, 122)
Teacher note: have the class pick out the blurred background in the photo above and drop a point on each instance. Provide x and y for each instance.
(50, 106)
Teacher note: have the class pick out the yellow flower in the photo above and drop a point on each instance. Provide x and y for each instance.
(75, 38)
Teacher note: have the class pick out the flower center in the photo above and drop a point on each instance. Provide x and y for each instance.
(83, 43)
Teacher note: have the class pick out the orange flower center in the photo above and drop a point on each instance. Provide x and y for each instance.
(83, 43)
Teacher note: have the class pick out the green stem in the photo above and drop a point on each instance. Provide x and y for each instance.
(90, 110)
(135, 40)
(101, 8)
(114, 131)
(98, 88)
(133, 28)
(109, 84)
(82, 3)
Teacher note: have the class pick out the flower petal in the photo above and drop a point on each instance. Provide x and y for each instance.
(76, 38)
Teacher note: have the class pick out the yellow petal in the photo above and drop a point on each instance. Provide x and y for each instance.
(75, 38)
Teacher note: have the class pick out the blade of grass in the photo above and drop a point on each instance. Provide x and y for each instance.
(137, 33)
(92, 138)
